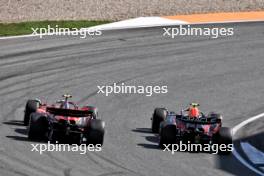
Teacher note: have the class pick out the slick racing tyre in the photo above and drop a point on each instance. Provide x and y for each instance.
(159, 115)
(96, 131)
(38, 126)
(224, 136)
(168, 135)
(31, 107)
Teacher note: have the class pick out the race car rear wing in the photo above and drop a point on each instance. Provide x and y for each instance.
(69, 112)
(202, 120)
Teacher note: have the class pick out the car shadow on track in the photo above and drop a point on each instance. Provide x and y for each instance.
(18, 138)
(153, 138)
(142, 130)
(149, 146)
(17, 123)
(14, 122)
(21, 131)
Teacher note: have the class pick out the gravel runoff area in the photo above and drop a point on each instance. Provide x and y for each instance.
(32, 10)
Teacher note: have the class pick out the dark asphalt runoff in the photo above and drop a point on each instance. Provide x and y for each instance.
(223, 75)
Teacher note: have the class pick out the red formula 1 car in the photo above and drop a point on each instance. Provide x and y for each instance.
(63, 121)
(204, 129)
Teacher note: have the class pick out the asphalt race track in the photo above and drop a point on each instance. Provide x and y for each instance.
(224, 74)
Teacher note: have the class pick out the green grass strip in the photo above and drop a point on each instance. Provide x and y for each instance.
(10, 29)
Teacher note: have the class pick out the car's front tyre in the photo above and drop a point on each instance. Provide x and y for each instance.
(159, 115)
(31, 107)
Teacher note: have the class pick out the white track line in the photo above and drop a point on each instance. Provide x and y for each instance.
(19, 36)
(235, 153)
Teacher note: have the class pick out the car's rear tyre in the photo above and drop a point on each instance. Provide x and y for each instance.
(38, 126)
(96, 131)
(31, 107)
(167, 135)
(159, 115)
(224, 136)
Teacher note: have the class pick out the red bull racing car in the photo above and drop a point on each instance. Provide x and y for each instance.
(63, 121)
(203, 129)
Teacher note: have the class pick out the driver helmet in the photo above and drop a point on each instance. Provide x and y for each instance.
(194, 111)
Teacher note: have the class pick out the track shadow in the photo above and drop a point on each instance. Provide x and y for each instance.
(149, 146)
(25, 139)
(142, 130)
(21, 131)
(19, 138)
(14, 122)
(153, 138)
